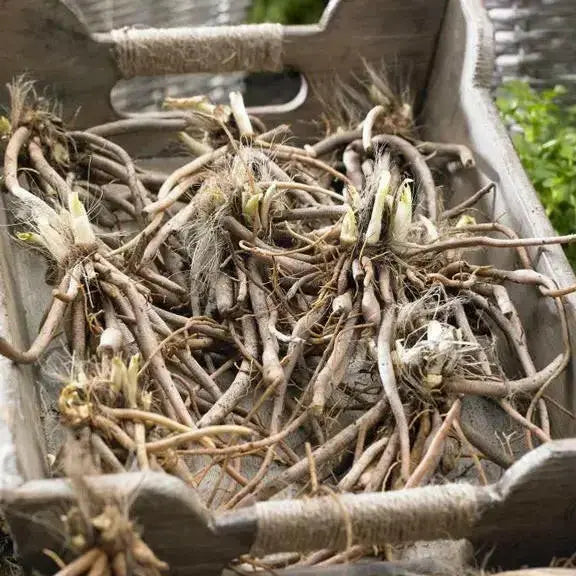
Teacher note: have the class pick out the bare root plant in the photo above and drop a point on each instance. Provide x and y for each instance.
(269, 319)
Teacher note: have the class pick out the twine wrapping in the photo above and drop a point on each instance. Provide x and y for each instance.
(152, 51)
(335, 522)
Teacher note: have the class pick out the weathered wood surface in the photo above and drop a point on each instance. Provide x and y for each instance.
(22, 449)
(528, 516)
(459, 108)
(174, 521)
(147, 94)
(45, 39)
(375, 568)
(533, 516)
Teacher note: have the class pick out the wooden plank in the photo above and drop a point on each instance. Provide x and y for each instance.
(500, 518)
(459, 108)
(539, 520)
(371, 568)
(399, 37)
(56, 50)
(22, 449)
(44, 39)
(174, 522)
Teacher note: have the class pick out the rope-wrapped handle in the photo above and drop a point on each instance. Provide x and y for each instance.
(335, 522)
(218, 49)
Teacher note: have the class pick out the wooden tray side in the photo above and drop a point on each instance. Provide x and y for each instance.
(459, 108)
(22, 447)
(171, 519)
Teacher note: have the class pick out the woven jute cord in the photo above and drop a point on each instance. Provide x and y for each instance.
(152, 51)
(335, 522)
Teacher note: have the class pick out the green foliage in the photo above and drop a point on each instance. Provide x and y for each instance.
(544, 134)
(287, 11)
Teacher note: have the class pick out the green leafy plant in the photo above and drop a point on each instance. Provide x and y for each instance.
(287, 11)
(544, 134)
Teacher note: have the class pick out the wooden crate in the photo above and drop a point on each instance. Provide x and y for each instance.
(444, 50)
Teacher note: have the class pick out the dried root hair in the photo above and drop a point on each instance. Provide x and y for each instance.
(346, 102)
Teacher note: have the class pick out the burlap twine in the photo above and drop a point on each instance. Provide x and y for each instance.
(335, 522)
(149, 52)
